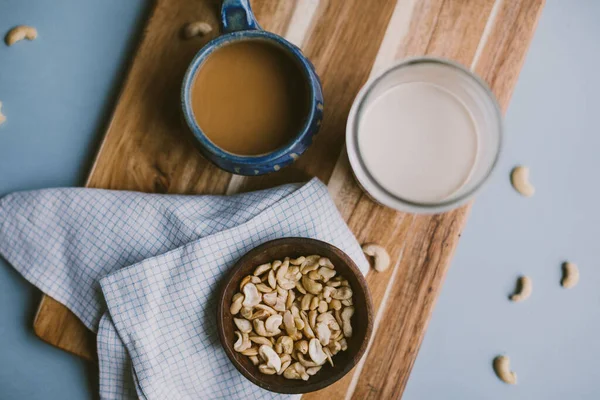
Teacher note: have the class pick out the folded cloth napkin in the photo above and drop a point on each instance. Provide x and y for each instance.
(142, 270)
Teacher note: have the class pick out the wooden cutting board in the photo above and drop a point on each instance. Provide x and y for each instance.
(144, 148)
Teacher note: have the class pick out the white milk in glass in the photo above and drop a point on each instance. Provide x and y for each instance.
(424, 135)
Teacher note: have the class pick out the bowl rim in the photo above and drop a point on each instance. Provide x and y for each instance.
(308, 386)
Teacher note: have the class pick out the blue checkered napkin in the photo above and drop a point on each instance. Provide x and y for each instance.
(160, 258)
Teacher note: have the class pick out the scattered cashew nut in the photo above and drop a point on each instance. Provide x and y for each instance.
(2, 116)
(197, 28)
(379, 253)
(519, 177)
(19, 33)
(524, 288)
(502, 369)
(570, 275)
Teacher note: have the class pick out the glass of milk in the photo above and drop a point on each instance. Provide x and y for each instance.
(424, 135)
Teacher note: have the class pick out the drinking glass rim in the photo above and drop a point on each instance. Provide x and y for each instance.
(357, 161)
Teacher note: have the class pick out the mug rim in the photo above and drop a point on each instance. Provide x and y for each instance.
(371, 186)
(196, 63)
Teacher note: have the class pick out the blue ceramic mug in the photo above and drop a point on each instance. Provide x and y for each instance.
(239, 24)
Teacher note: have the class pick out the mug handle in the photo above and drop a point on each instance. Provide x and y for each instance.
(236, 15)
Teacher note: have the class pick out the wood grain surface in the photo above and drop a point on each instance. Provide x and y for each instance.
(146, 148)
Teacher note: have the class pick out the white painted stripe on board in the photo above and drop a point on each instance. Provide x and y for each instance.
(395, 33)
(376, 323)
(301, 21)
(486, 33)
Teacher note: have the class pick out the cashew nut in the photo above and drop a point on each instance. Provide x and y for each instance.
(308, 332)
(301, 346)
(323, 307)
(347, 313)
(246, 312)
(313, 370)
(19, 33)
(316, 353)
(311, 286)
(328, 293)
(326, 262)
(335, 304)
(2, 116)
(252, 351)
(243, 325)
(300, 288)
(265, 369)
(570, 275)
(290, 299)
(249, 279)
(261, 269)
(242, 343)
(314, 303)
(328, 355)
(307, 363)
(260, 314)
(284, 365)
(314, 275)
(323, 333)
(342, 293)
(254, 360)
(380, 255)
(329, 319)
(263, 307)
(334, 347)
(236, 303)
(283, 278)
(271, 279)
(287, 344)
(310, 264)
(251, 295)
(288, 323)
(270, 298)
(502, 369)
(261, 340)
(276, 264)
(299, 323)
(259, 328)
(297, 261)
(326, 273)
(312, 319)
(296, 371)
(524, 288)
(197, 28)
(305, 302)
(273, 323)
(519, 177)
(261, 287)
(270, 357)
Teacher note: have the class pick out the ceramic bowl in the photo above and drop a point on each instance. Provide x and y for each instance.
(362, 320)
(239, 24)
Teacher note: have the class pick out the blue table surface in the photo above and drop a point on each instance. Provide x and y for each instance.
(58, 92)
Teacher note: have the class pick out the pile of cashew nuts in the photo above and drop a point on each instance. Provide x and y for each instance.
(293, 316)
